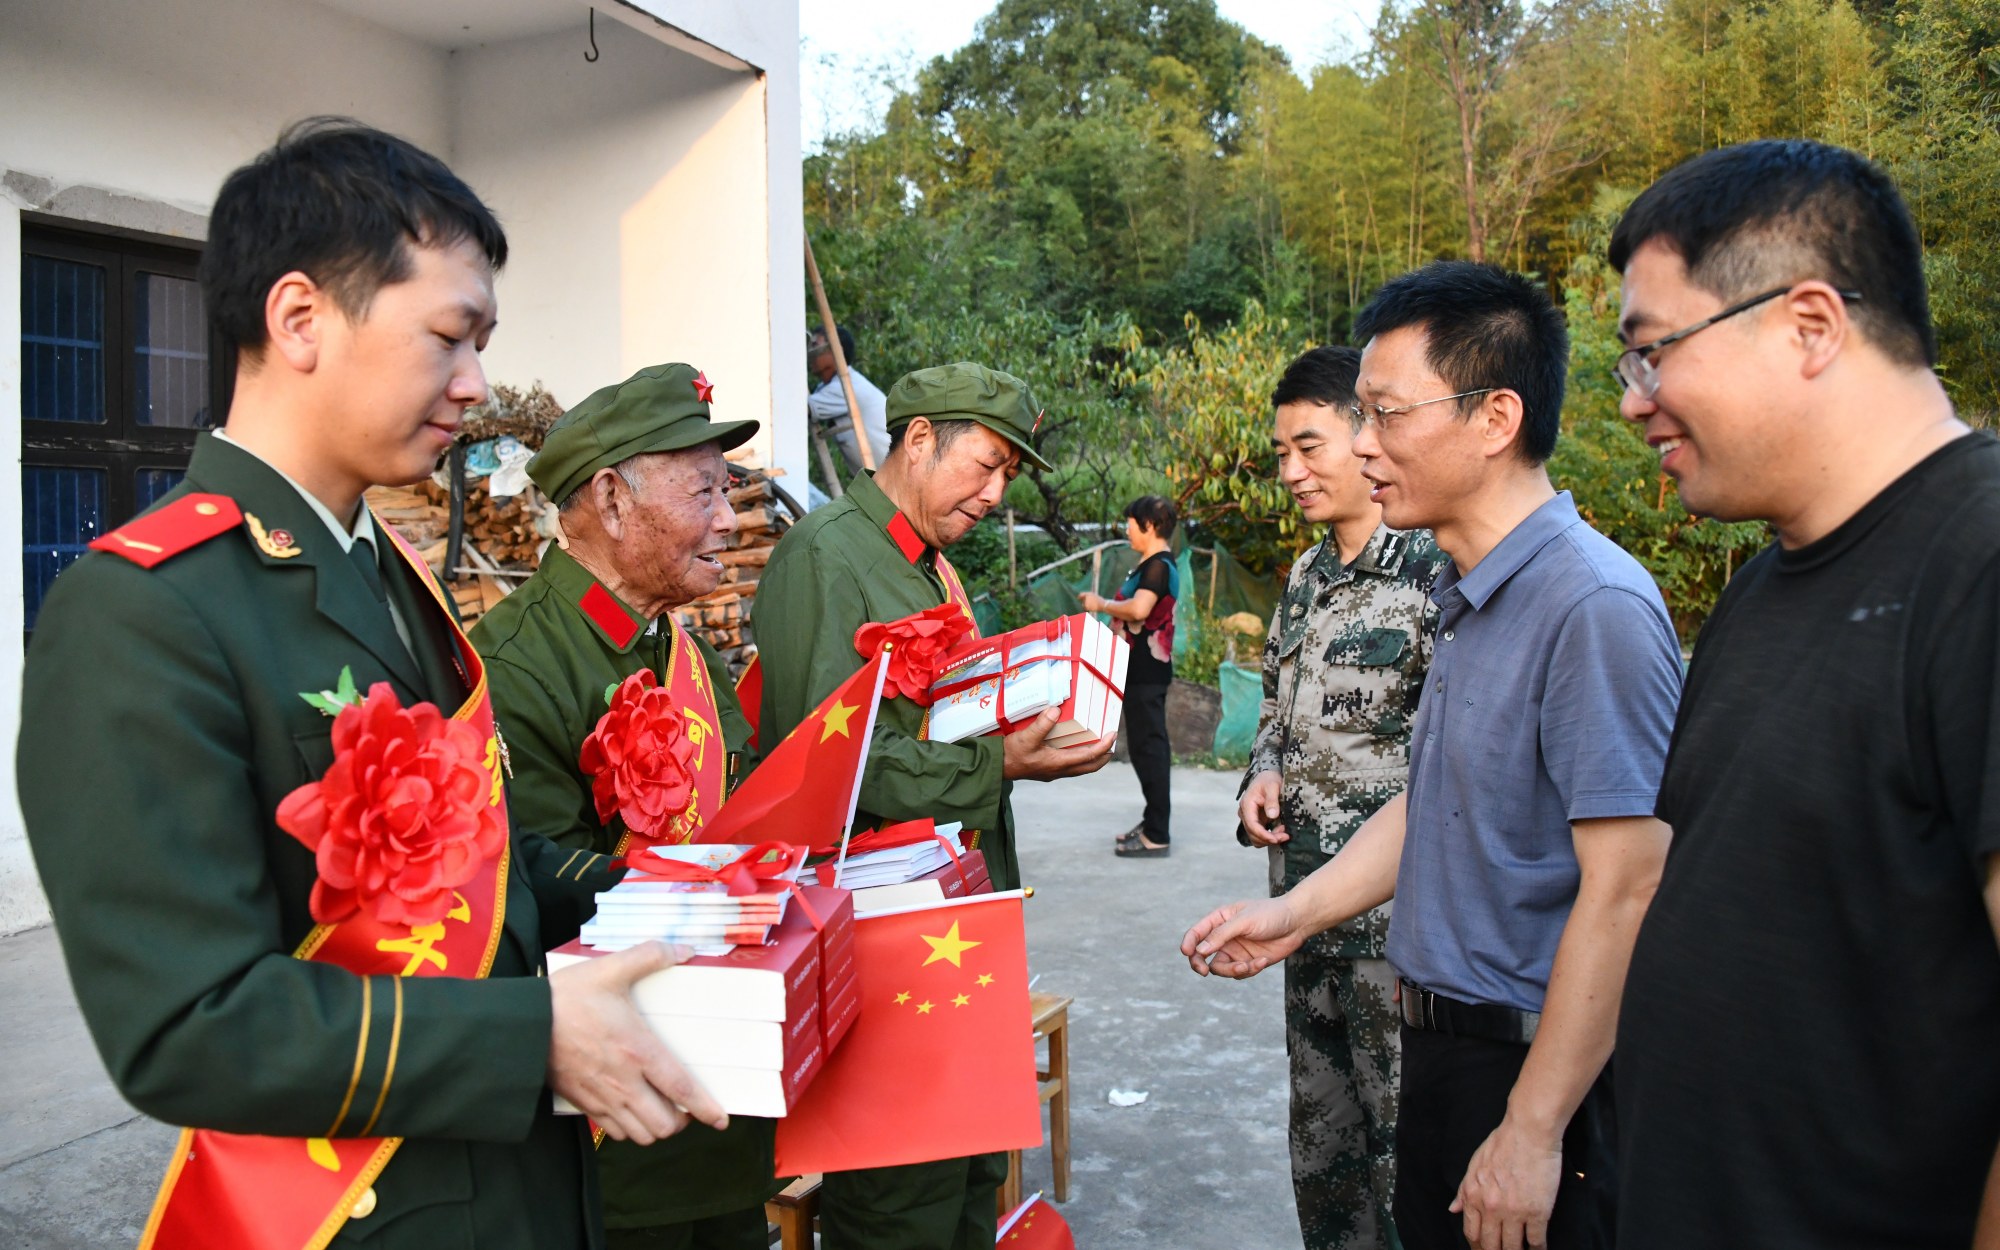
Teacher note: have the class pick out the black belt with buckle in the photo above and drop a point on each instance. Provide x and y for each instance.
(1434, 1013)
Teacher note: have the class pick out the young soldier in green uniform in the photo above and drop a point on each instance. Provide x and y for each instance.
(163, 723)
(957, 436)
(1344, 662)
(638, 474)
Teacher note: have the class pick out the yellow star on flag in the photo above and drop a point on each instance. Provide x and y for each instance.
(985, 978)
(950, 946)
(924, 1008)
(902, 998)
(836, 720)
(960, 1001)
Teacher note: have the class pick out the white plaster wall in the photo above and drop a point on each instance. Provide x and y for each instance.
(21, 903)
(638, 198)
(165, 99)
(765, 33)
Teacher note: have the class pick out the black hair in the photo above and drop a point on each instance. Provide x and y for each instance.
(1486, 327)
(1156, 512)
(339, 202)
(846, 343)
(1760, 214)
(1321, 375)
(943, 434)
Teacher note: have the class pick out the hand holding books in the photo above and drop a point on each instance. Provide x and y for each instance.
(604, 1059)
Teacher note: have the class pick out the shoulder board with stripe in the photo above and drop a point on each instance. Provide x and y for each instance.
(164, 533)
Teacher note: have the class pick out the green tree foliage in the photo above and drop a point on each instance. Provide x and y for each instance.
(1145, 210)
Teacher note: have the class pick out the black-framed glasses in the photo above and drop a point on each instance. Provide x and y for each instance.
(1635, 369)
(1360, 414)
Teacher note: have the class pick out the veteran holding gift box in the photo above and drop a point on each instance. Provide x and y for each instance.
(642, 492)
(958, 434)
(262, 784)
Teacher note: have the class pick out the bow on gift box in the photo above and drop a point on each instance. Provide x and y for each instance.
(905, 833)
(915, 644)
(763, 869)
(1004, 645)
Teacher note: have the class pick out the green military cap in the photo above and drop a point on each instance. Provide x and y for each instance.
(968, 392)
(662, 408)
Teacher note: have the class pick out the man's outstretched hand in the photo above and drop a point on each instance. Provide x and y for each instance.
(1242, 939)
(604, 1059)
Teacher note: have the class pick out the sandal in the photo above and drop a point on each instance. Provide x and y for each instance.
(1131, 837)
(1137, 849)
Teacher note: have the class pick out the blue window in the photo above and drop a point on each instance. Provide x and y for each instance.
(119, 372)
(62, 509)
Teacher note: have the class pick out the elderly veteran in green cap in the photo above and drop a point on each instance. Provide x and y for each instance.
(637, 474)
(957, 436)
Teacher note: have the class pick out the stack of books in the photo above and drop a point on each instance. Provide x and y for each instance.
(700, 914)
(912, 875)
(1074, 663)
(754, 1025)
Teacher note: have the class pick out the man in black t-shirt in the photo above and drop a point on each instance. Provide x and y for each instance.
(1807, 1046)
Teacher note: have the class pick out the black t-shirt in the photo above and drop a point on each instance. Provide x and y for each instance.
(1809, 1047)
(1152, 662)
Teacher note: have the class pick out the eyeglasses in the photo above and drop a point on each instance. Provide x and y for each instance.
(1635, 370)
(1360, 414)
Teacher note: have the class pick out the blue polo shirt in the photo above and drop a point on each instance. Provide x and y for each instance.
(1551, 698)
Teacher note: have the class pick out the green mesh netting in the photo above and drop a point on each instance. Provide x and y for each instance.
(1242, 697)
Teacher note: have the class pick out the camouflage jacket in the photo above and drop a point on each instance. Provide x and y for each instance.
(1343, 666)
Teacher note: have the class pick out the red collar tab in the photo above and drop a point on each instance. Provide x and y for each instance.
(905, 536)
(609, 615)
(164, 533)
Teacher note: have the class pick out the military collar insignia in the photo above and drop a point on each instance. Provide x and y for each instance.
(704, 390)
(277, 544)
(167, 531)
(1384, 552)
(602, 609)
(904, 535)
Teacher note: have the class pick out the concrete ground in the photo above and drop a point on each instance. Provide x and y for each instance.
(1202, 1162)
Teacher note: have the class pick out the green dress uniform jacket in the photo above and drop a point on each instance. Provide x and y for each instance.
(549, 663)
(832, 573)
(161, 726)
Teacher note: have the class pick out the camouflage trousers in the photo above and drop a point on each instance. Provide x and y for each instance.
(1343, 1034)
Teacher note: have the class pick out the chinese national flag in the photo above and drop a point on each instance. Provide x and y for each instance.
(1034, 1225)
(805, 790)
(941, 1063)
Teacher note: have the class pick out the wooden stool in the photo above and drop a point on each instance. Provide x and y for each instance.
(1050, 1016)
(794, 1212)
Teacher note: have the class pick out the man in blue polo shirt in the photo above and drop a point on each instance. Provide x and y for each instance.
(1524, 853)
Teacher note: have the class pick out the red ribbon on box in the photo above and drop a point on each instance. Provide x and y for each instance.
(1040, 631)
(905, 833)
(752, 872)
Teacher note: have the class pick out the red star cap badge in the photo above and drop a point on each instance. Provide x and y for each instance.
(1038, 420)
(704, 390)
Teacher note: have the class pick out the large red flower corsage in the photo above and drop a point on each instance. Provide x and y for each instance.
(404, 815)
(640, 759)
(916, 645)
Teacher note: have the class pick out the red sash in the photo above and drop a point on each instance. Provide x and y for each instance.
(954, 590)
(688, 684)
(229, 1191)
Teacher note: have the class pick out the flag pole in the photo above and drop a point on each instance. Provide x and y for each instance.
(867, 740)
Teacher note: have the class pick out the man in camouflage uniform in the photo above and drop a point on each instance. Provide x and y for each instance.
(1343, 666)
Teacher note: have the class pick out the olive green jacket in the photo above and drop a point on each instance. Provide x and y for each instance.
(832, 573)
(161, 726)
(549, 663)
